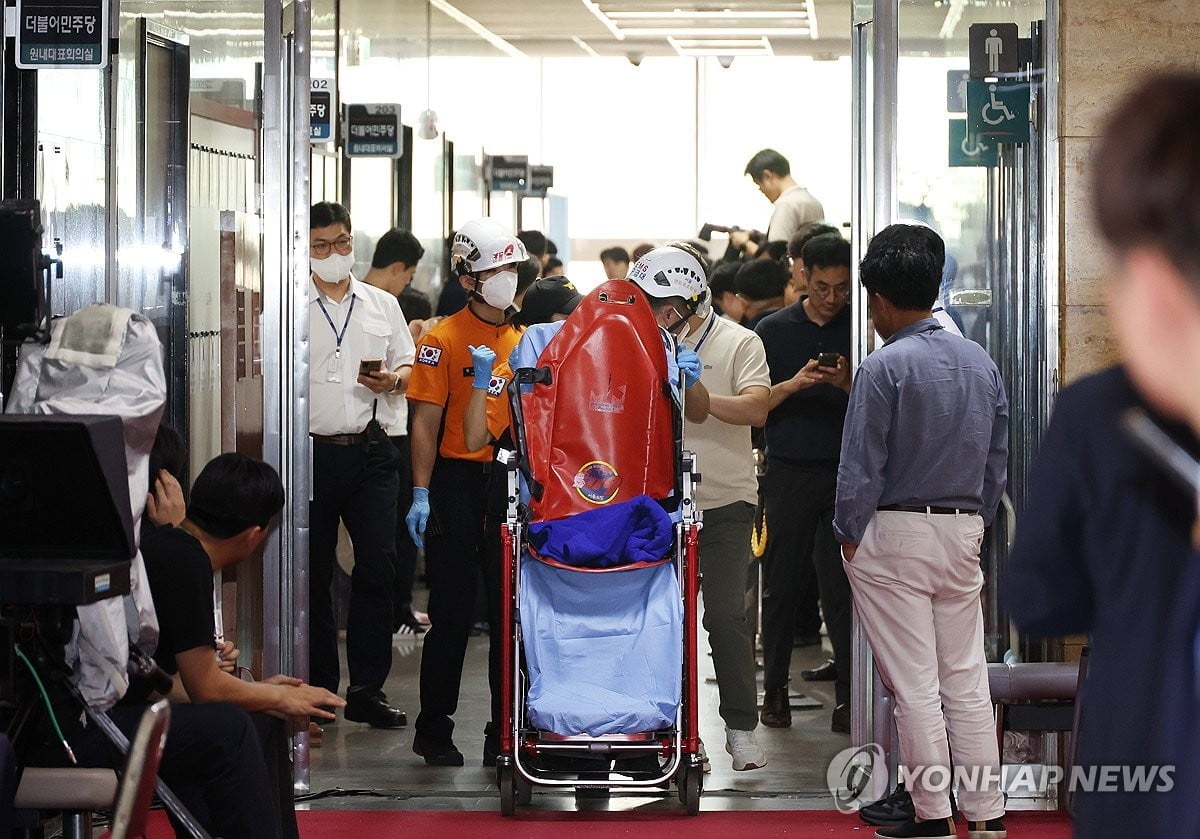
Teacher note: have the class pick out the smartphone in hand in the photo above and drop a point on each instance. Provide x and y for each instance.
(369, 366)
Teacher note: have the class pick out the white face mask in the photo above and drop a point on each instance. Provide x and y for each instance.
(333, 268)
(499, 290)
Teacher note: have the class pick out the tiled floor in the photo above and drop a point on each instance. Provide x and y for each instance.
(378, 770)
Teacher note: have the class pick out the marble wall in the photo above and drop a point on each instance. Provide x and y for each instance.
(1106, 45)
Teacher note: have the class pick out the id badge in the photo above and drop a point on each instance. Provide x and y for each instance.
(333, 371)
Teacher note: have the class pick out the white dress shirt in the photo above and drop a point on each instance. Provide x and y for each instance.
(374, 328)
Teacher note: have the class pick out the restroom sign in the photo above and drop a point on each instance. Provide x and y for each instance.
(969, 150)
(62, 34)
(998, 111)
(993, 49)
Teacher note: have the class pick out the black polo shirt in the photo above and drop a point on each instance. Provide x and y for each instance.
(807, 426)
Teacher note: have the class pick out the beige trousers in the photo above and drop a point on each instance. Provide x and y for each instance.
(916, 583)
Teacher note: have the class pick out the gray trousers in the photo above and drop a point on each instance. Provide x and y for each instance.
(729, 603)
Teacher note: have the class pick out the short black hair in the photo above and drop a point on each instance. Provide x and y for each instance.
(809, 230)
(722, 278)
(535, 242)
(761, 279)
(234, 492)
(415, 304)
(527, 272)
(767, 159)
(326, 214)
(775, 250)
(168, 452)
(552, 263)
(829, 250)
(615, 254)
(904, 264)
(551, 248)
(397, 245)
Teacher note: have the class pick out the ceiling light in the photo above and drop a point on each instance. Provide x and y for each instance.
(478, 28)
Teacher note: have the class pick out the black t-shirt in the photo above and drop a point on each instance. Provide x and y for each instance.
(807, 426)
(181, 583)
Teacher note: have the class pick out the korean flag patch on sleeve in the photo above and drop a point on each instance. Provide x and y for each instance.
(496, 386)
(430, 355)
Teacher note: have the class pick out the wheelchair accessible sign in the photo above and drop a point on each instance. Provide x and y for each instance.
(968, 150)
(998, 111)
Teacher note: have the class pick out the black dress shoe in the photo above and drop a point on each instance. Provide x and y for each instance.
(491, 744)
(776, 709)
(913, 829)
(370, 706)
(840, 724)
(437, 754)
(827, 672)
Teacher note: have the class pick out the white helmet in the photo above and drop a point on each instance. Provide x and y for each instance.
(482, 243)
(671, 272)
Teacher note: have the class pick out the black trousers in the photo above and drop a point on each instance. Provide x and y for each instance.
(212, 761)
(357, 485)
(458, 543)
(799, 505)
(406, 550)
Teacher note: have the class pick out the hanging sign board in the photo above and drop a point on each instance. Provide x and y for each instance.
(541, 178)
(508, 173)
(968, 150)
(993, 49)
(999, 111)
(320, 111)
(372, 131)
(62, 34)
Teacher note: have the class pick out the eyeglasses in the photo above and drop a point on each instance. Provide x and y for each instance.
(321, 248)
(837, 291)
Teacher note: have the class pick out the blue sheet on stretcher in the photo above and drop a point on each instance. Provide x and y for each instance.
(603, 650)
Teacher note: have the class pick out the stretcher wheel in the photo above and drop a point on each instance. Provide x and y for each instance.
(691, 785)
(507, 776)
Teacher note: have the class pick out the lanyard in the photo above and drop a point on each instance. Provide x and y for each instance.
(337, 351)
(712, 321)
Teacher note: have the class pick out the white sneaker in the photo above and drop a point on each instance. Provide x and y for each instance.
(744, 748)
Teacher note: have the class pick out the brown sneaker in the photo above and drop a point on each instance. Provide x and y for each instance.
(776, 710)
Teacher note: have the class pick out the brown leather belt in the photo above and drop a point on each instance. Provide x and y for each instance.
(938, 511)
(338, 439)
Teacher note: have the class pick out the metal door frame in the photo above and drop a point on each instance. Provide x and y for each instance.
(155, 35)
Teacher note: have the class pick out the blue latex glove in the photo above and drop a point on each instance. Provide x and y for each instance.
(482, 359)
(418, 515)
(689, 363)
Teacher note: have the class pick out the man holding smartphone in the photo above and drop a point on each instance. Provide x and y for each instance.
(360, 356)
(808, 349)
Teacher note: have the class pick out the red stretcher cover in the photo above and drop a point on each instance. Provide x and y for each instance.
(602, 430)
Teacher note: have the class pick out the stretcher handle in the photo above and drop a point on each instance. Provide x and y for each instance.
(525, 376)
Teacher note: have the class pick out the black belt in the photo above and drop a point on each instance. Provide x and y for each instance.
(939, 511)
(338, 439)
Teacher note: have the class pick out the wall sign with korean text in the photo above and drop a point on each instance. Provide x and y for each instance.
(62, 34)
(372, 131)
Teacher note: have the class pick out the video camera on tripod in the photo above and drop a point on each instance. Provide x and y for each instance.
(66, 530)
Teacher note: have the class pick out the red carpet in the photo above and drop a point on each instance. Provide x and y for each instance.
(754, 824)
